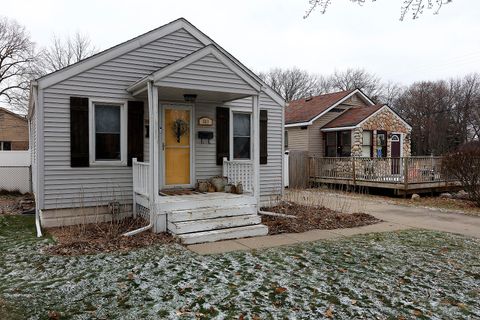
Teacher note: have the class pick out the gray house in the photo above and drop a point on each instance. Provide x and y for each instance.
(135, 127)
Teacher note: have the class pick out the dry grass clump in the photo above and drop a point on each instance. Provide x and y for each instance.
(103, 237)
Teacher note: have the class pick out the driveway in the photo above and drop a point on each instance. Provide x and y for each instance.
(416, 217)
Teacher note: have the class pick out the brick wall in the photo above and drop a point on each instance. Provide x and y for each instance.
(14, 128)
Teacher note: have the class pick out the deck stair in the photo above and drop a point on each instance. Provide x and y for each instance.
(213, 217)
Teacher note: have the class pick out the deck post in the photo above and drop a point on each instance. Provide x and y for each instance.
(353, 172)
(256, 147)
(405, 176)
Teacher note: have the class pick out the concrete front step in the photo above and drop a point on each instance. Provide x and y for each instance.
(211, 213)
(224, 234)
(182, 227)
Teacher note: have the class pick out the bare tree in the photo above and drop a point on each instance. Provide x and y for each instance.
(17, 54)
(350, 79)
(415, 7)
(64, 52)
(294, 83)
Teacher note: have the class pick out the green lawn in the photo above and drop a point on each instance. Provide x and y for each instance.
(410, 273)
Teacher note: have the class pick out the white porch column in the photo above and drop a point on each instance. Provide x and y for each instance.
(154, 157)
(256, 146)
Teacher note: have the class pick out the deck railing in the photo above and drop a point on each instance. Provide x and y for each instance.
(393, 170)
(141, 177)
(239, 171)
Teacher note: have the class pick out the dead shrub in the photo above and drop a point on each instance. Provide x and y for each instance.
(464, 165)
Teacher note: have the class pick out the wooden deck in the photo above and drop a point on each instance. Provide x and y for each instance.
(403, 175)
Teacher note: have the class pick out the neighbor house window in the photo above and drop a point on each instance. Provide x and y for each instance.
(5, 145)
(331, 144)
(345, 145)
(108, 136)
(381, 144)
(367, 147)
(241, 135)
(286, 139)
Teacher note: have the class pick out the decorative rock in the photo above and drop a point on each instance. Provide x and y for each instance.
(446, 195)
(462, 194)
(415, 197)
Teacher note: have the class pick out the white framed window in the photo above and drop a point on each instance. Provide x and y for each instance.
(108, 132)
(241, 135)
(367, 147)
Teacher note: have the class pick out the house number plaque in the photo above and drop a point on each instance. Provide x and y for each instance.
(205, 121)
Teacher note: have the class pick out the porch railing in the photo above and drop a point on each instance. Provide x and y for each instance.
(141, 177)
(393, 170)
(239, 171)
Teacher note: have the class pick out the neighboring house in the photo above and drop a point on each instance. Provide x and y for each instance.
(344, 124)
(181, 105)
(13, 131)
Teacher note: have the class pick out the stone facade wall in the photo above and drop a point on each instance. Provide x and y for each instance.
(384, 120)
(14, 129)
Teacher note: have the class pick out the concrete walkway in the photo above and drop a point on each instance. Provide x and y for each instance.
(395, 217)
(289, 238)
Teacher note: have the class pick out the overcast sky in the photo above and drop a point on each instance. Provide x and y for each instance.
(273, 33)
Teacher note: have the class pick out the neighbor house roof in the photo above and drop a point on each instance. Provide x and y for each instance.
(304, 111)
(353, 116)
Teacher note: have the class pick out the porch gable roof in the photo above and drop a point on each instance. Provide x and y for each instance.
(355, 116)
(220, 70)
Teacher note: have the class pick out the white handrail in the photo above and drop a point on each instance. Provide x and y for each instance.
(239, 171)
(141, 177)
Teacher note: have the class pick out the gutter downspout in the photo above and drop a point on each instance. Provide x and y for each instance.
(38, 226)
(151, 187)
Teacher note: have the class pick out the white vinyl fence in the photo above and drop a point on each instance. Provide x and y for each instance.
(15, 171)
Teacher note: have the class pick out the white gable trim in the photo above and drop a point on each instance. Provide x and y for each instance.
(339, 129)
(385, 107)
(197, 55)
(119, 50)
(308, 123)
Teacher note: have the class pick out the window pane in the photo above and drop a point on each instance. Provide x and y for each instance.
(367, 138)
(107, 146)
(107, 119)
(346, 137)
(241, 148)
(241, 125)
(107, 132)
(331, 152)
(366, 151)
(331, 139)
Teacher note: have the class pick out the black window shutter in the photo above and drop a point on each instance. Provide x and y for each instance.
(223, 134)
(263, 136)
(135, 131)
(79, 144)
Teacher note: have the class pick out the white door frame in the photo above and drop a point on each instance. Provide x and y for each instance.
(179, 106)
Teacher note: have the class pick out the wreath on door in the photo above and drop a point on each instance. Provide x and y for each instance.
(180, 128)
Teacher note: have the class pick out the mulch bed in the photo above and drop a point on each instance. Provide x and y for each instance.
(312, 217)
(103, 237)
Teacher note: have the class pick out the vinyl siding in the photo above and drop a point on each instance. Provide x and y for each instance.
(66, 187)
(271, 183)
(315, 136)
(207, 73)
(297, 139)
(206, 154)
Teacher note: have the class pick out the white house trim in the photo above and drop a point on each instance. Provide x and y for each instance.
(339, 129)
(157, 76)
(308, 123)
(123, 132)
(118, 50)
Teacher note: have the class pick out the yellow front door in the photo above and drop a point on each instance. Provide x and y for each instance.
(177, 146)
